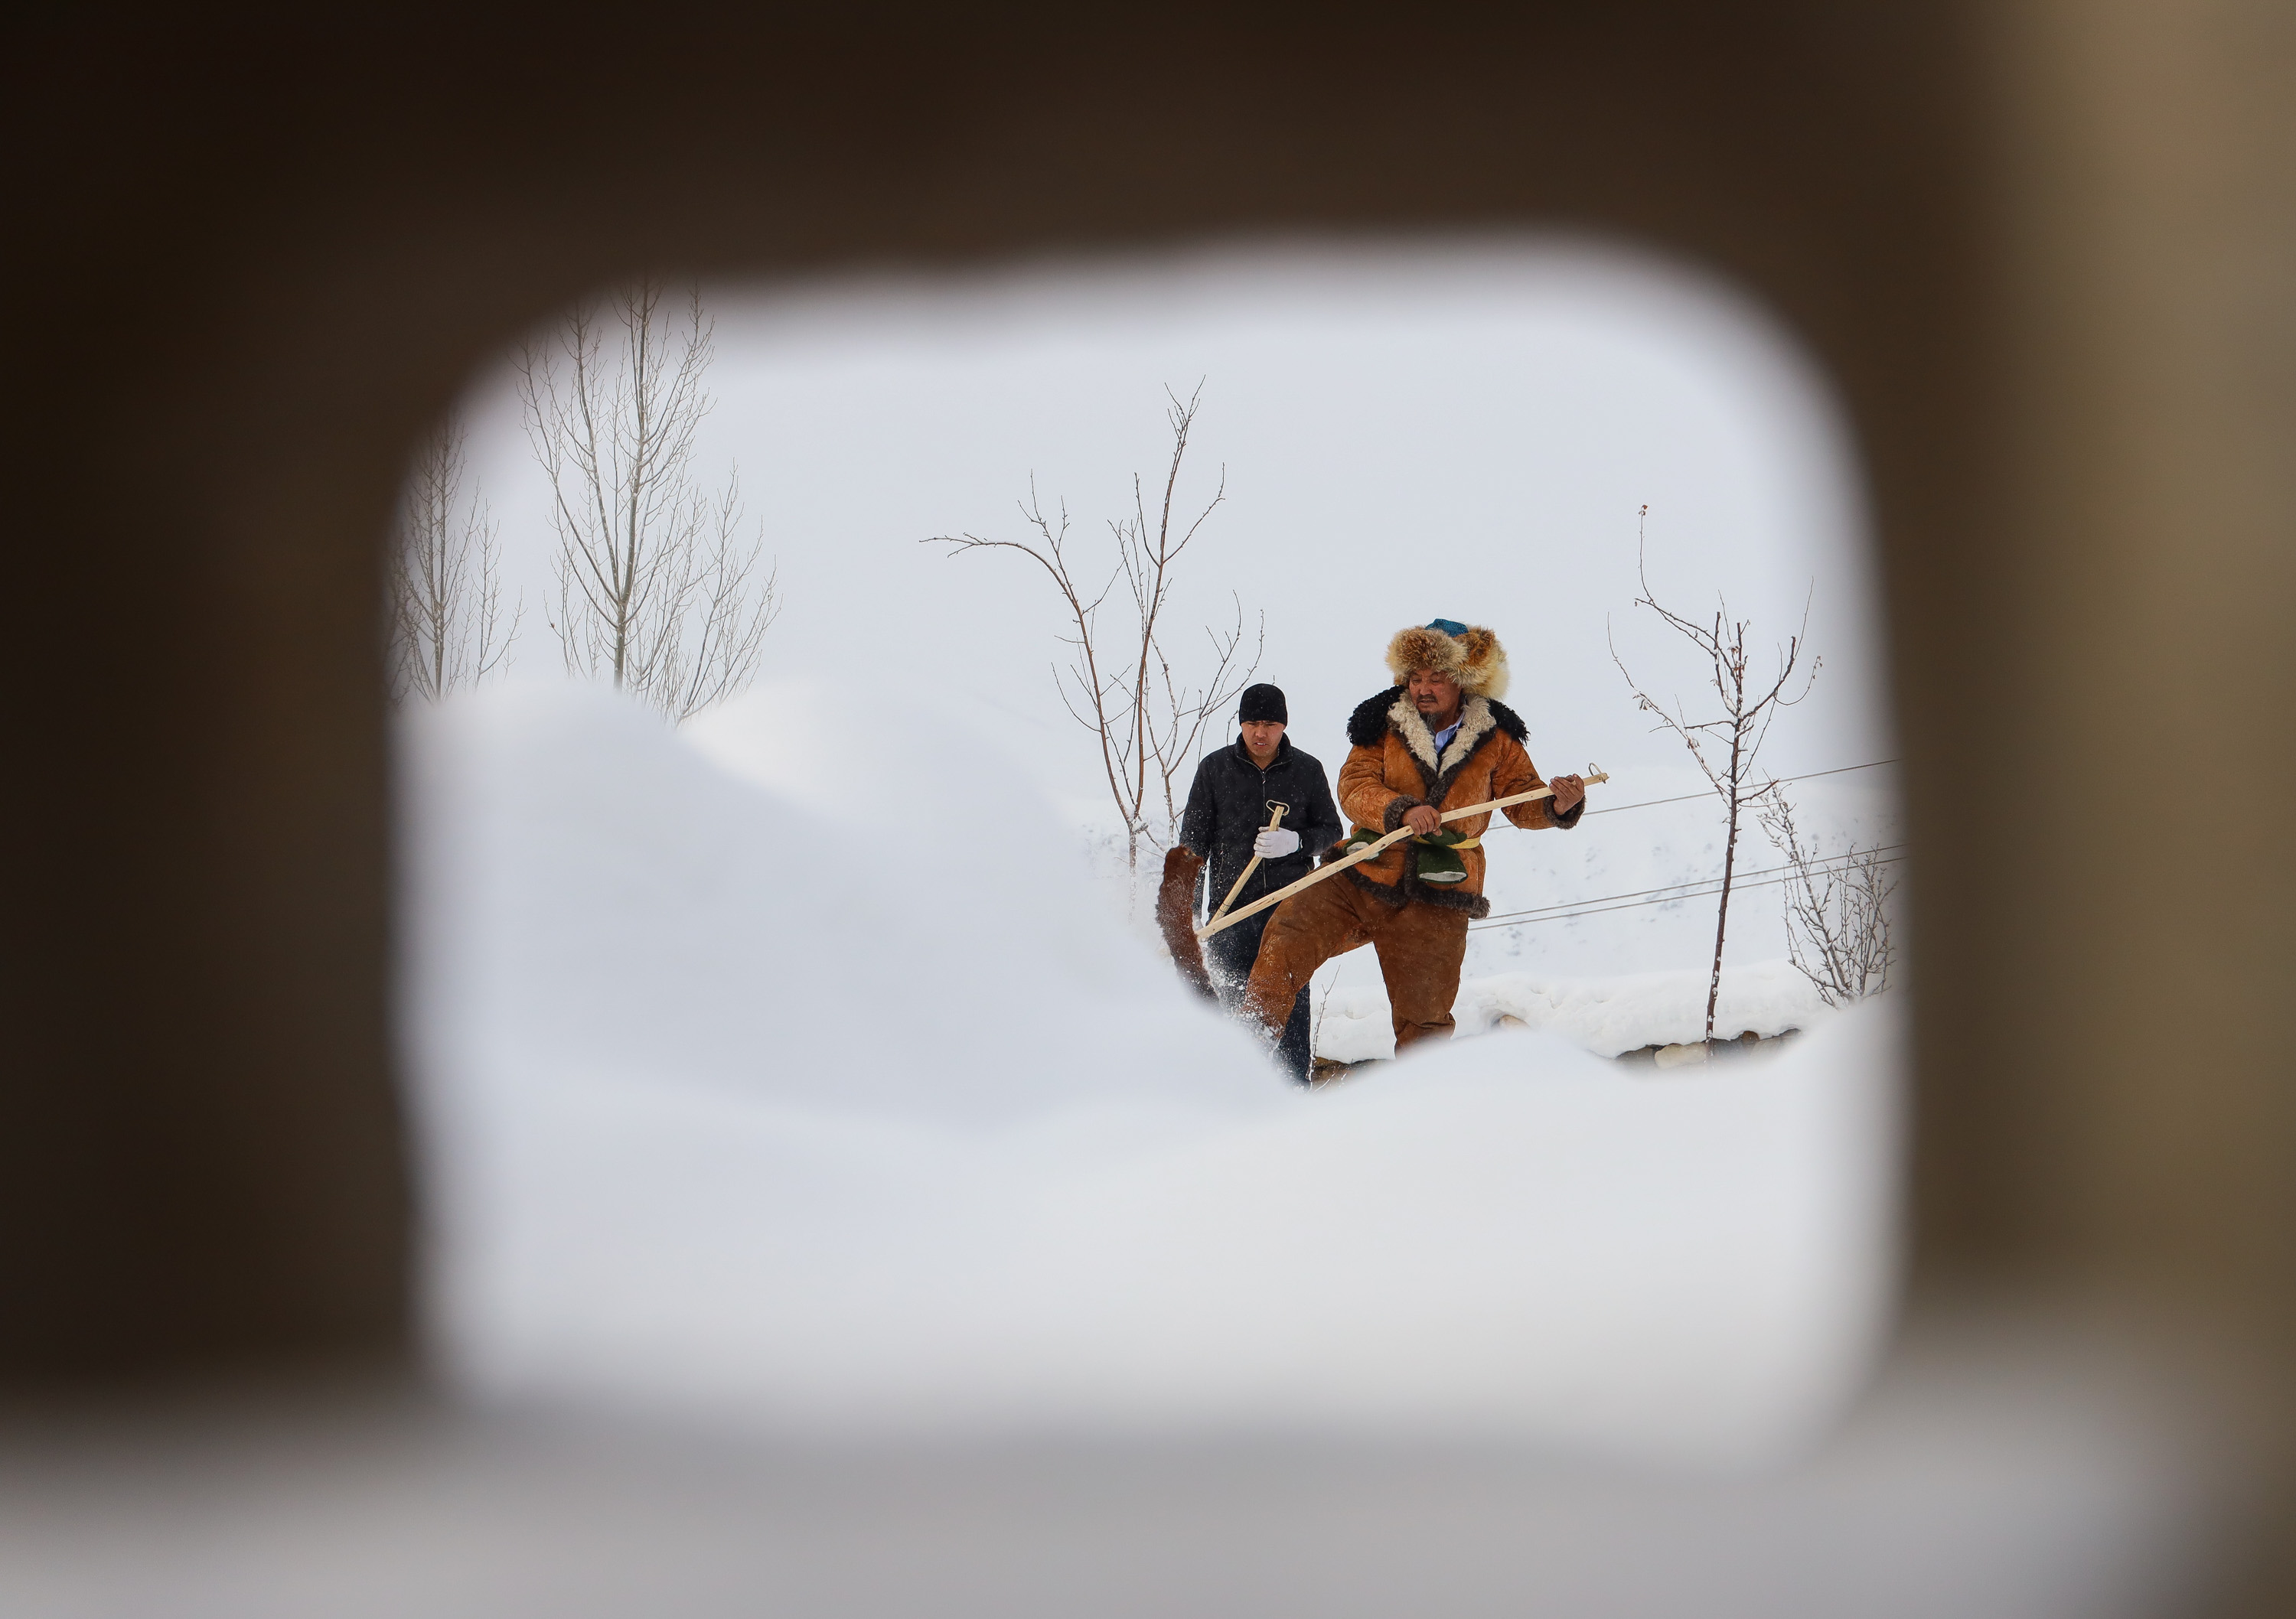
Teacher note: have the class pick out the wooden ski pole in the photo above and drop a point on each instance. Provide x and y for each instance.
(1372, 851)
(1251, 865)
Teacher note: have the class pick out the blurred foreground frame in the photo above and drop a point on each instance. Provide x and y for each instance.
(2044, 250)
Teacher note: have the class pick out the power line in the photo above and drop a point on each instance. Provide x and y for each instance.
(1633, 904)
(1714, 883)
(1616, 809)
(1636, 904)
(1707, 887)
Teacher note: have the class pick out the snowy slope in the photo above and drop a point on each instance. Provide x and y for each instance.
(1604, 1016)
(795, 1078)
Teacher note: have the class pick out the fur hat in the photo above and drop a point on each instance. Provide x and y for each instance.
(1467, 653)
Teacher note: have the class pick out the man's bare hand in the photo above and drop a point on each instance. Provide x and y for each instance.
(1568, 792)
(1422, 820)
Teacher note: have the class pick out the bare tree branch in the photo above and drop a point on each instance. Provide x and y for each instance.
(1840, 930)
(1145, 719)
(657, 590)
(447, 632)
(1736, 731)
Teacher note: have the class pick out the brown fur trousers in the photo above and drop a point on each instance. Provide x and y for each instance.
(1420, 949)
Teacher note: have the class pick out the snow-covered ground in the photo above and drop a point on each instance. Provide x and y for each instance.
(1604, 1016)
(794, 1074)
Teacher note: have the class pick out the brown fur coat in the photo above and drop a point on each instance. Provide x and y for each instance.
(1392, 766)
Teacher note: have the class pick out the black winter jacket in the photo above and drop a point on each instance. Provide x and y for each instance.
(1228, 808)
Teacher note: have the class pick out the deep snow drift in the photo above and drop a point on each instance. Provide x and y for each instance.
(794, 1072)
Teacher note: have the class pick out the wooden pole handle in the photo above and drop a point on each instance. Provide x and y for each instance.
(1370, 851)
(1250, 866)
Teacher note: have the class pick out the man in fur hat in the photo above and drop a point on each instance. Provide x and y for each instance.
(1224, 827)
(1437, 739)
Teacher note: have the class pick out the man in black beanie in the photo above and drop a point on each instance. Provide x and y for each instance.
(1225, 825)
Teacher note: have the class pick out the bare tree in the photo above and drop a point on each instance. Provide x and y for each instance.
(657, 588)
(446, 631)
(1178, 712)
(1121, 685)
(1735, 732)
(1839, 927)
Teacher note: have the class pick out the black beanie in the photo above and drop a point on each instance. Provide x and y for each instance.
(1263, 702)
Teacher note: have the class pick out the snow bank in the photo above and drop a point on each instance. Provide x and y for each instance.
(1604, 1016)
(775, 1072)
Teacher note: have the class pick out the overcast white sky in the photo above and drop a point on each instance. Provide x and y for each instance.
(1463, 430)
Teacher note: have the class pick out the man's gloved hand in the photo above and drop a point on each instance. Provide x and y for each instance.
(1275, 845)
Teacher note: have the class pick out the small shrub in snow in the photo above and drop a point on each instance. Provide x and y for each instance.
(1837, 913)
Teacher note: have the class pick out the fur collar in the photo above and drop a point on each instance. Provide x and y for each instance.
(1368, 722)
(1403, 720)
(1391, 710)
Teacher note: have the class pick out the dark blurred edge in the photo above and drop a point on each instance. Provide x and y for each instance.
(2042, 251)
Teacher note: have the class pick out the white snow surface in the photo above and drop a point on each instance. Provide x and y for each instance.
(791, 1070)
(1604, 1016)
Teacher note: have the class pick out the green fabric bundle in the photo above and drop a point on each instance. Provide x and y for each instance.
(1437, 856)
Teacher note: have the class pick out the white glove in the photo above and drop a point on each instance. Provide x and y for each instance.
(1275, 845)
